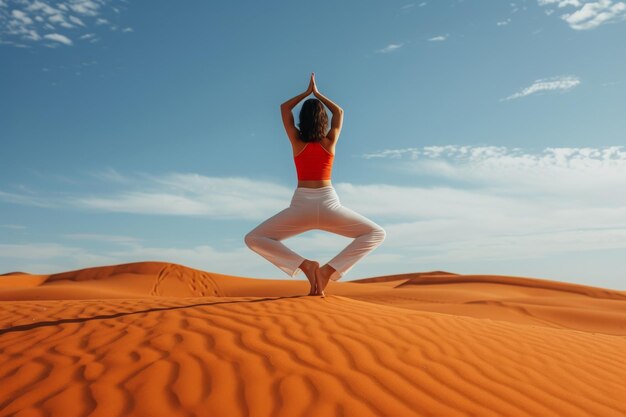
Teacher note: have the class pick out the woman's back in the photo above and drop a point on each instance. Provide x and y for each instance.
(314, 162)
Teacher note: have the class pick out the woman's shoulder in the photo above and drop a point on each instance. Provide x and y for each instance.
(325, 142)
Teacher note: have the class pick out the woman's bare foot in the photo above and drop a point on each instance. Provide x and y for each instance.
(309, 268)
(322, 278)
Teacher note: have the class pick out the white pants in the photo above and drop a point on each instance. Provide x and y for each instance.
(315, 208)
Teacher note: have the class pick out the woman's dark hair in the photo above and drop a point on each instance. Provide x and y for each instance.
(313, 121)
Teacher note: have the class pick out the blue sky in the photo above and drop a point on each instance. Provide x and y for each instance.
(485, 137)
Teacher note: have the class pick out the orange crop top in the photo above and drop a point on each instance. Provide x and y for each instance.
(314, 162)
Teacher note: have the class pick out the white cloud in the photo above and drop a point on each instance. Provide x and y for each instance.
(13, 226)
(589, 14)
(146, 203)
(498, 202)
(560, 3)
(43, 7)
(26, 199)
(570, 170)
(592, 15)
(59, 19)
(393, 153)
(503, 22)
(21, 16)
(575, 3)
(28, 21)
(500, 172)
(85, 7)
(389, 48)
(559, 83)
(110, 174)
(58, 38)
(178, 194)
(439, 38)
(76, 20)
(100, 237)
(47, 251)
(48, 258)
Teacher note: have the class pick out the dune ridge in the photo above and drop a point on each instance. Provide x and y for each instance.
(595, 292)
(401, 277)
(365, 350)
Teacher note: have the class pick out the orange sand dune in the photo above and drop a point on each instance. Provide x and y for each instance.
(420, 279)
(162, 339)
(394, 279)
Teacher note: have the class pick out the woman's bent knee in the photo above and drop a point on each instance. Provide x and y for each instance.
(250, 240)
(379, 234)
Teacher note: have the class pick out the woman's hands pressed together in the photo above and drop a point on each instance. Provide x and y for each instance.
(288, 105)
(312, 86)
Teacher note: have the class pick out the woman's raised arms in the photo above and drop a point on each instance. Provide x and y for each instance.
(287, 115)
(286, 108)
(337, 121)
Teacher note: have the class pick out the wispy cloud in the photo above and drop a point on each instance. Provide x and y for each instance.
(177, 194)
(26, 199)
(560, 3)
(588, 14)
(48, 258)
(58, 38)
(393, 153)
(13, 226)
(515, 7)
(100, 237)
(558, 83)
(27, 22)
(594, 171)
(503, 22)
(439, 38)
(390, 48)
(493, 202)
(50, 251)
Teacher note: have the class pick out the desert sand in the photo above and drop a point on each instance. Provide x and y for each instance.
(162, 339)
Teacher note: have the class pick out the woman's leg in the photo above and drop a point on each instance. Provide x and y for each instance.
(265, 238)
(346, 222)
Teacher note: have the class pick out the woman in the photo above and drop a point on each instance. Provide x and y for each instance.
(315, 204)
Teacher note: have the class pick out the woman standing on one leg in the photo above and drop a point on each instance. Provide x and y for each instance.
(315, 204)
